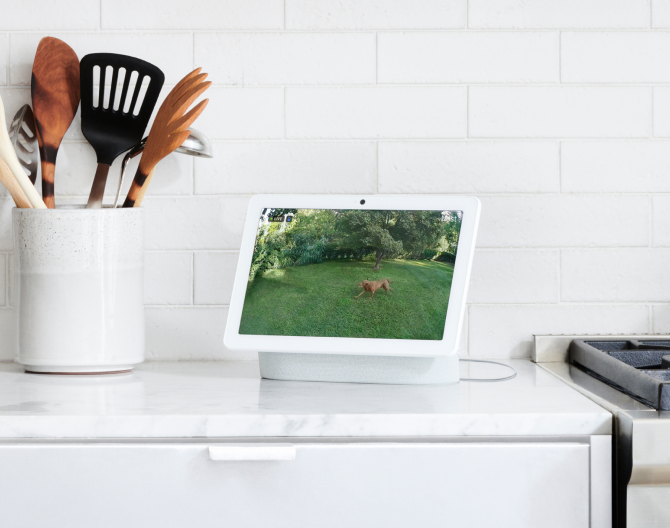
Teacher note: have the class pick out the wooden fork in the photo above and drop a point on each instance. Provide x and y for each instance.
(168, 131)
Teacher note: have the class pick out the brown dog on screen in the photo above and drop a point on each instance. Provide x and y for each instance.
(372, 286)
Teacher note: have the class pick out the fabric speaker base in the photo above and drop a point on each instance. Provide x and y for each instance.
(396, 370)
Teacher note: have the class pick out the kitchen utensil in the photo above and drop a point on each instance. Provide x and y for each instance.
(23, 135)
(169, 130)
(115, 123)
(8, 155)
(55, 94)
(196, 144)
(8, 179)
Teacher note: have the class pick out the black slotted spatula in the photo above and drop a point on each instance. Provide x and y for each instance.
(114, 122)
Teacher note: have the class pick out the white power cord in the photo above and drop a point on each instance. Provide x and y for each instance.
(492, 363)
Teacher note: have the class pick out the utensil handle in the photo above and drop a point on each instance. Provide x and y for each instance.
(139, 187)
(98, 187)
(135, 151)
(48, 171)
(9, 180)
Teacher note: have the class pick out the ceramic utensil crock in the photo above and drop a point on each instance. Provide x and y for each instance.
(78, 289)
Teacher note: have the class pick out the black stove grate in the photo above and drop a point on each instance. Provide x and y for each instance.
(636, 368)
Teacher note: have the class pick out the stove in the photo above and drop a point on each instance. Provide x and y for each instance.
(638, 368)
(630, 377)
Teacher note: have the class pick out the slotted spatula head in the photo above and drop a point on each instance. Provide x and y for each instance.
(111, 118)
(23, 135)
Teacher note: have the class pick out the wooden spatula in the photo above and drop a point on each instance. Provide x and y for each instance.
(168, 131)
(55, 92)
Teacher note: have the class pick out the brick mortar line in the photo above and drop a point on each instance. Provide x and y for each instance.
(192, 278)
(560, 57)
(343, 31)
(650, 222)
(559, 261)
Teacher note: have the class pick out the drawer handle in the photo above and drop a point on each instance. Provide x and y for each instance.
(252, 452)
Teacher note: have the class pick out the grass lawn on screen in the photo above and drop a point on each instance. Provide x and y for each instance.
(318, 300)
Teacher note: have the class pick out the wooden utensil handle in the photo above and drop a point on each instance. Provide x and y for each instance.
(8, 179)
(48, 171)
(138, 187)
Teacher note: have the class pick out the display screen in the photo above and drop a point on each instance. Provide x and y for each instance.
(351, 273)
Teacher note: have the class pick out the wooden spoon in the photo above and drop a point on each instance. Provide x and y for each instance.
(168, 131)
(8, 179)
(55, 92)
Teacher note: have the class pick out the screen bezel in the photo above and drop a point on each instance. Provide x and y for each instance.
(447, 346)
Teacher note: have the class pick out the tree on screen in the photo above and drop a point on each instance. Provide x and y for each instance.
(389, 233)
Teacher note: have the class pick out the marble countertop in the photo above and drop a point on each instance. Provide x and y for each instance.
(228, 399)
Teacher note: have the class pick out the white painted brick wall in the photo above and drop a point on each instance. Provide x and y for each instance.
(615, 275)
(615, 166)
(535, 14)
(660, 221)
(376, 112)
(214, 276)
(168, 278)
(559, 111)
(661, 318)
(466, 167)
(564, 221)
(467, 57)
(375, 14)
(315, 167)
(661, 111)
(525, 276)
(615, 57)
(556, 114)
(288, 58)
(243, 113)
(661, 13)
(505, 330)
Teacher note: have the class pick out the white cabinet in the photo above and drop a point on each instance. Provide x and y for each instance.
(311, 485)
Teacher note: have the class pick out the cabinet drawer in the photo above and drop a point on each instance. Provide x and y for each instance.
(324, 485)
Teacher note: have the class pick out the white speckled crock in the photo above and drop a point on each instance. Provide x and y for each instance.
(78, 289)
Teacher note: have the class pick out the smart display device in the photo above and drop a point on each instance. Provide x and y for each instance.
(354, 288)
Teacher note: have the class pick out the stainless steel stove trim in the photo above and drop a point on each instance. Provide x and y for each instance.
(554, 348)
(641, 457)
